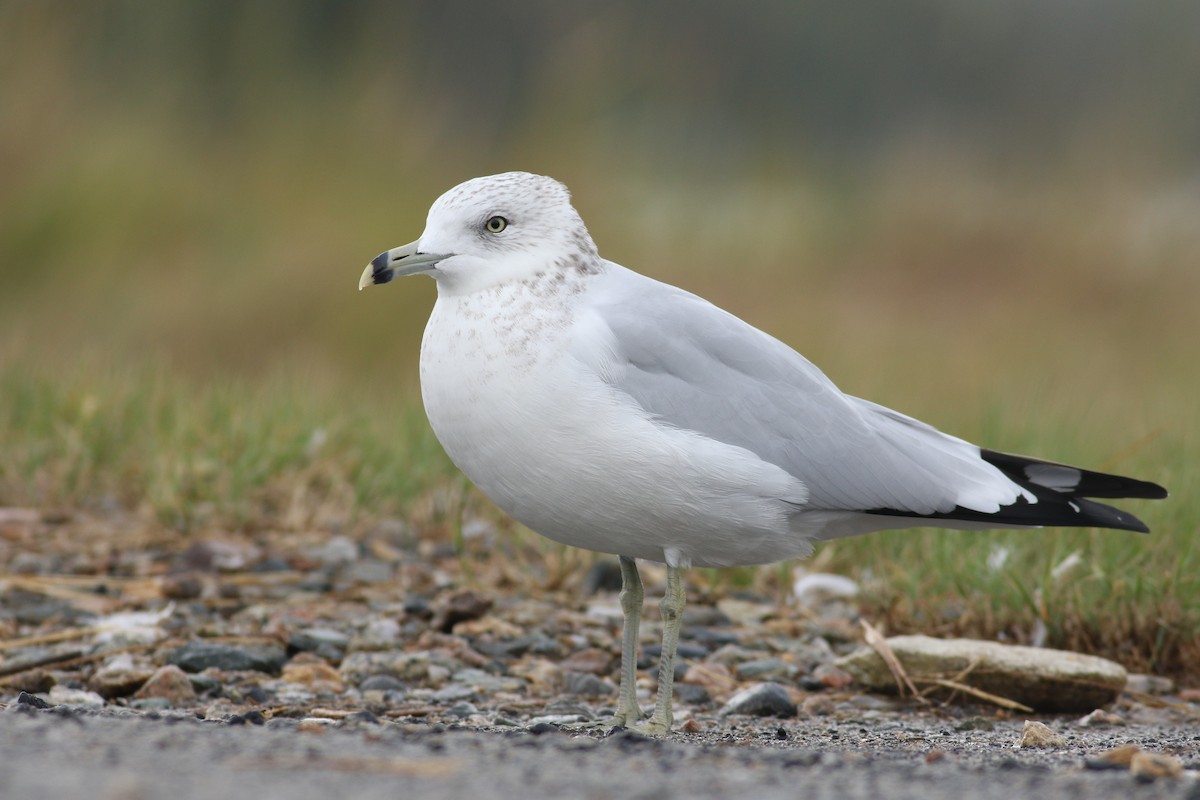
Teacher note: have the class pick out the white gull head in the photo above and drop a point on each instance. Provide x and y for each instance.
(492, 230)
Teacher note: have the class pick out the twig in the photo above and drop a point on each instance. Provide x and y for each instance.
(69, 659)
(48, 638)
(875, 639)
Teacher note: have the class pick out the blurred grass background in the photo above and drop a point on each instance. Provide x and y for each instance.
(984, 215)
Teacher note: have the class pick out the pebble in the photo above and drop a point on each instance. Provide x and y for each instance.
(744, 612)
(314, 725)
(603, 576)
(1038, 734)
(458, 606)
(33, 681)
(328, 643)
(460, 710)
(317, 675)
(830, 676)
(975, 724)
(365, 717)
(483, 681)
(717, 679)
(812, 589)
(32, 700)
(764, 700)
(689, 651)
(771, 669)
(197, 656)
(64, 696)
(592, 660)
(817, 705)
(536, 642)
(552, 722)
(692, 694)
(1119, 757)
(541, 675)
(381, 683)
(452, 693)
(169, 683)
(1151, 766)
(338, 550)
(412, 667)
(586, 685)
(119, 678)
(368, 571)
(1099, 718)
(1149, 684)
(810, 654)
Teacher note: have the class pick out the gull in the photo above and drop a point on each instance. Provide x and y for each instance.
(609, 411)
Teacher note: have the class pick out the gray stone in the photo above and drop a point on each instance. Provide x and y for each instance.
(419, 666)
(586, 685)
(462, 710)
(258, 656)
(764, 700)
(1044, 680)
(452, 693)
(766, 669)
(382, 683)
(369, 571)
(482, 681)
(692, 694)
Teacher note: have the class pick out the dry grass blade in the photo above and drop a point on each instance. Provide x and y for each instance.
(879, 644)
(47, 638)
(994, 699)
(68, 590)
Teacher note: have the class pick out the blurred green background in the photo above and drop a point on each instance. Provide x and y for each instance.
(200, 181)
(983, 214)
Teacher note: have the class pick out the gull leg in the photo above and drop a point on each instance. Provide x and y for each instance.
(628, 711)
(672, 612)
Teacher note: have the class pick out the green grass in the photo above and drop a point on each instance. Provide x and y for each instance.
(226, 453)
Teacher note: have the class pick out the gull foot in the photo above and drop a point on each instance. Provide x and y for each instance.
(651, 727)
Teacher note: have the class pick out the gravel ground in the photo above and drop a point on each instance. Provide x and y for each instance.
(61, 755)
(139, 662)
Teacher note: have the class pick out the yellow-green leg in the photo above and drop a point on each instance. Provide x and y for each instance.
(672, 604)
(628, 711)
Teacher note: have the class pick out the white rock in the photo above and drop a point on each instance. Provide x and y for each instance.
(1044, 680)
(63, 696)
(811, 588)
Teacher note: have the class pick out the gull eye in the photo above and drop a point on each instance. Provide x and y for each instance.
(496, 224)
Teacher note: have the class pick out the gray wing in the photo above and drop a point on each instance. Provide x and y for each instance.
(693, 366)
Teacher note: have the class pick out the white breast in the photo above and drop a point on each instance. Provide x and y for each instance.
(562, 452)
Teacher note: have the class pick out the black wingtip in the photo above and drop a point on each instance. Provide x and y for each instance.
(1070, 480)
(1061, 493)
(1052, 510)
